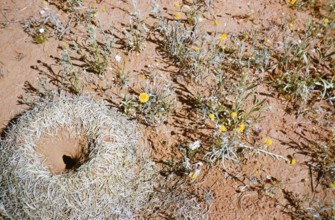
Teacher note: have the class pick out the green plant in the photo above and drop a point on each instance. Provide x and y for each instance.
(46, 25)
(316, 7)
(304, 67)
(195, 10)
(228, 148)
(231, 103)
(95, 56)
(152, 105)
(41, 94)
(40, 36)
(136, 35)
(70, 75)
(119, 69)
(196, 54)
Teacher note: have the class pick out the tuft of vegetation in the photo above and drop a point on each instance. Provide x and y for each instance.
(211, 93)
(136, 35)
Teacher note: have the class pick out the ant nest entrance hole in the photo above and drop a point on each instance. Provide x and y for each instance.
(63, 151)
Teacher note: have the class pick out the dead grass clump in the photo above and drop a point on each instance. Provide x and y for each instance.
(112, 183)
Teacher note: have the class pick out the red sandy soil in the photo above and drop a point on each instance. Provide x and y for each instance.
(260, 187)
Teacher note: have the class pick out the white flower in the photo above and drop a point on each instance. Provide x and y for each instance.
(41, 30)
(195, 145)
(42, 12)
(118, 58)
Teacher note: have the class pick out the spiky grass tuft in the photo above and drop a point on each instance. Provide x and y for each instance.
(113, 183)
(116, 181)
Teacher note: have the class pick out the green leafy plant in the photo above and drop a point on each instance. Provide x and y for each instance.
(298, 73)
(95, 56)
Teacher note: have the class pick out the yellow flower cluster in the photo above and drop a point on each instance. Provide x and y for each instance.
(223, 37)
(195, 47)
(143, 97)
(325, 20)
(292, 160)
(267, 141)
(222, 128)
(292, 2)
(177, 16)
(290, 25)
(233, 114)
(240, 128)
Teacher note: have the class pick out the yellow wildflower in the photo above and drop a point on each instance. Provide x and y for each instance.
(241, 127)
(103, 9)
(143, 97)
(246, 37)
(293, 161)
(175, 4)
(250, 54)
(325, 20)
(267, 40)
(292, 2)
(332, 185)
(194, 174)
(142, 77)
(223, 128)
(267, 141)
(217, 22)
(177, 16)
(211, 116)
(63, 45)
(233, 114)
(290, 25)
(223, 37)
(223, 47)
(288, 97)
(196, 48)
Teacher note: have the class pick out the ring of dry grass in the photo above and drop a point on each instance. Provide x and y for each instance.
(113, 183)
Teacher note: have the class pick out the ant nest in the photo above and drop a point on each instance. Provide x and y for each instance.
(73, 158)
